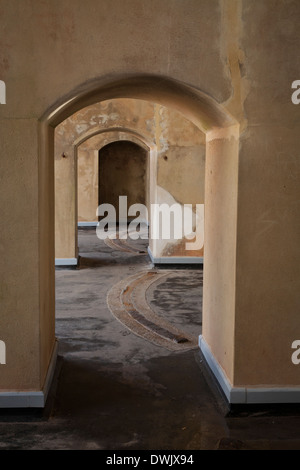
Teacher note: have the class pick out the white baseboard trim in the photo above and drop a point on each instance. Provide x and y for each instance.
(175, 259)
(66, 261)
(245, 395)
(31, 399)
(121, 222)
(87, 224)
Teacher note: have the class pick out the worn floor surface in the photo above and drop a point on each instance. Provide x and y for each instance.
(123, 386)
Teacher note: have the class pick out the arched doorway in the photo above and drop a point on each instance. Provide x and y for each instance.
(176, 150)
(117, 175)
(75, 159)
(222, 138)
(122, 172)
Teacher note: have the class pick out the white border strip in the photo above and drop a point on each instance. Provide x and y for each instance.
(31, 399)
(87, 224)
(244, 395)
(66, 261)
(175, 259)
(239, 393)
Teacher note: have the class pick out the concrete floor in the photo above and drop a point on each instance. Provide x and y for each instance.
(119, 388)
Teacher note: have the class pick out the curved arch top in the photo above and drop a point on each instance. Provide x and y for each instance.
(143, 141)
(197, 106)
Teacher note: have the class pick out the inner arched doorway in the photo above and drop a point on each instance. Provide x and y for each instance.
(86, 151)
(113, 186)
(122, 172)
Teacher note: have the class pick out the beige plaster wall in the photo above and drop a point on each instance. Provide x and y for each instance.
(19, 286)
(220, 255)
(268, 283)
(88, 185)
(242, 53)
